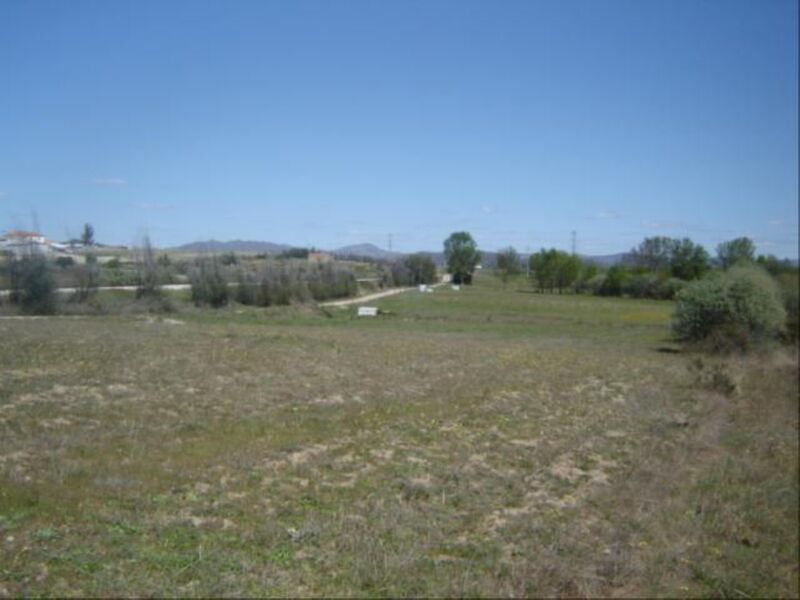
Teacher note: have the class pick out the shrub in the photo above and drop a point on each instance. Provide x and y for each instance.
(280, 283)
(208, 283)
(147, 269)
(730, 310)
(229, 258)
(35, 288)
(614, 281)
(652, 286)
(65, 261)
(87, 278)
(790, 290)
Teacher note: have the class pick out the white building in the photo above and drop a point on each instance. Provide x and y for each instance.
(27, 243)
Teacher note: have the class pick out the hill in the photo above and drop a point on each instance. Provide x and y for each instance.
(233, 246)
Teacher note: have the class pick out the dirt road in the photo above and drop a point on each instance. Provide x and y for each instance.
(370, 297)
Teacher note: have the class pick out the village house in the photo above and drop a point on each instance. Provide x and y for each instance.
(28, 243)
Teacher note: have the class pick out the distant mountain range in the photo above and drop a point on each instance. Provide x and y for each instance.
(233, 246)
(361, 250)
(368, 251)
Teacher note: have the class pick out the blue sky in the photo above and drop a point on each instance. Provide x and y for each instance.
(339, 122)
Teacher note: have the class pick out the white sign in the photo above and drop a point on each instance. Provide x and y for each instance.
(423, 287)
(456, 288)
(367, 311)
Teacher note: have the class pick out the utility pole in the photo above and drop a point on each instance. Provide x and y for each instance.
(574, 242)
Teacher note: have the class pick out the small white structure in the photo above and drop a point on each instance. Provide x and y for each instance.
(423, 287)
(447, 278)
(456, 288)
(367, 311)
(29, 243)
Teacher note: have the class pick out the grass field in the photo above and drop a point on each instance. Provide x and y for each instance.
(481, 442)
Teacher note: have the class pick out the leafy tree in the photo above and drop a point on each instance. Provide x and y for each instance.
(542, 268)
(87, 237)
(616, 278)
(567, 268)
(508, 264)
(680, 258)
(553, 269)
(688, 260)
(776, 266)
(462, 256)
(736, 251)
(653, 254)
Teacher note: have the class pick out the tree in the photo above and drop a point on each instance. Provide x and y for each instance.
(87, 237)
(688, 260)
(566, 270)
(653, 254)
(508, 264)
(554, 269)
(680, 258)
(462, 256)
(542, 269)
(421, 269)
(776, 266)
(736, 251)
(616, 278)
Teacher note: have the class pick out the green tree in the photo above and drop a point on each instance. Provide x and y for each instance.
(542, 268)
(462, 256)
(653, 254)
(421, 269)
(87, 237)
(616, 278)
(739, 250)
(553, 269)
(567, 268)
(688, 260)
(508, 265)
(776, 266)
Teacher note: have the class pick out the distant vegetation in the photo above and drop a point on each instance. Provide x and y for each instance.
(732, 300)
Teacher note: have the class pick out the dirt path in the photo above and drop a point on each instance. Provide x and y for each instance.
(370, 297)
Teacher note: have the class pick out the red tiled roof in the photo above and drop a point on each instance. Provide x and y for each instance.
(20, 233)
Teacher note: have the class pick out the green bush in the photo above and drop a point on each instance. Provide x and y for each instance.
(280, 283)
(730, 310)
(790, 290)
(614, 282)
(34, 288)
(208, 283)
(657, 287)
(65, 261)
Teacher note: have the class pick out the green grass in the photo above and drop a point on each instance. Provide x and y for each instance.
(482, 442)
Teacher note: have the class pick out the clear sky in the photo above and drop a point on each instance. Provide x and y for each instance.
(339, 122)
